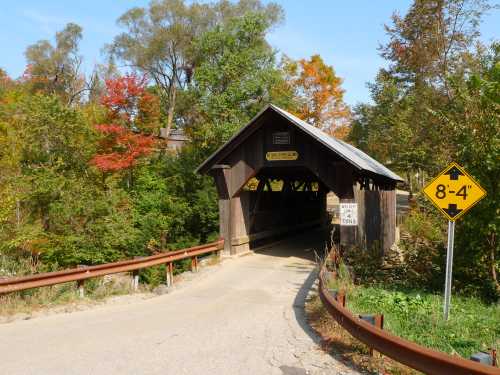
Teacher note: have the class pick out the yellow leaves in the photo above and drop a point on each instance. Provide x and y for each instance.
(319, 94)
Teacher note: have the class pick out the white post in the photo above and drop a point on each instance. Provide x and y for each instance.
(449, 268)
(136, 281)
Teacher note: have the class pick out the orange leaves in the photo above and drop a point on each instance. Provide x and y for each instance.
(320, 96)
(120, 147)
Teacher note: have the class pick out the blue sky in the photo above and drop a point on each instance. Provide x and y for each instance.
(345, 33)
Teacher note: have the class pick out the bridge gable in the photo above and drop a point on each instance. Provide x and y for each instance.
(276, 145)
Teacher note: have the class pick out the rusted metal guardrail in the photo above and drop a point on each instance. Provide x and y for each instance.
(406, 352)
(82, 273)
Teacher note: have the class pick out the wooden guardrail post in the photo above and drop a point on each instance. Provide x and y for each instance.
(194, 264)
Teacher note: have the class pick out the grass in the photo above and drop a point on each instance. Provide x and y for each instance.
(417, 316)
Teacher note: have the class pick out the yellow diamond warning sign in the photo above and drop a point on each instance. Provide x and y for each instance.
(454, 191)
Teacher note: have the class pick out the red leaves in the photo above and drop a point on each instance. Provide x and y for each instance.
(128, 105)
(123, 95)
(121, 148)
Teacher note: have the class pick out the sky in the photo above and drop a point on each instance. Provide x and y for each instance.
(345, 33)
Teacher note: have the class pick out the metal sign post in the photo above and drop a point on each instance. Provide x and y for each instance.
(449, 268)
(453, 192)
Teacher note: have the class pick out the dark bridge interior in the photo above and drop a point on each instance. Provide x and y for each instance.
(284, 197)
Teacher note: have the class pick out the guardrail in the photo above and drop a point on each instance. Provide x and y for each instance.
(83, 273)
(428, 361)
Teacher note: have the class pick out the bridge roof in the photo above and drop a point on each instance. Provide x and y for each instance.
(349, 153)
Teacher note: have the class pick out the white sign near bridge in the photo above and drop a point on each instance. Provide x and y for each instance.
(349, 214)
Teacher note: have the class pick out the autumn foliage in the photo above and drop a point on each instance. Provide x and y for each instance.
(122, 142)
(319, 94)
(120, 147)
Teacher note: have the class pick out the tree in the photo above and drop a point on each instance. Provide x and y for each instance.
(438, 102)
(427, 46)
(158, 40)
(235, 77)
(121, 145)
(55, 69)
(319, 95)
(474, 118)
(120, 148)
(433, 40)
(129, 103)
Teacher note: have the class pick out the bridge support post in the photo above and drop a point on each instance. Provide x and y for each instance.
(240, 212)
(221, 174)
(376, 219)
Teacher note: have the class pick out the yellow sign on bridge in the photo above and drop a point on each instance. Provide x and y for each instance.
(282, 155)
(454, 191)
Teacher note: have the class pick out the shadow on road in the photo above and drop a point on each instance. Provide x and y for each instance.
(307, 246)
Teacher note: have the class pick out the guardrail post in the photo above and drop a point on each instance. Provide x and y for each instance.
(338, 295)
(194, 264)
(135, 276)
(80, 284)
(81, 289)
(489, 359)
(135, 280)
(377, 320)
(341, 298)
(170, 274)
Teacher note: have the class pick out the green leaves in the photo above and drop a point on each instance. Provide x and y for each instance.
(234, 78)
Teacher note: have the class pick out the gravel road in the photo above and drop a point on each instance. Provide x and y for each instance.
(245, 316)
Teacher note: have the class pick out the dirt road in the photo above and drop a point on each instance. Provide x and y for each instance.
(243, 317)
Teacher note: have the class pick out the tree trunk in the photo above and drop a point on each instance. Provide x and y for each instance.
(171, 107)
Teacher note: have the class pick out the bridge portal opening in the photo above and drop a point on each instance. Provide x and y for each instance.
(274, 175)
(281, 201)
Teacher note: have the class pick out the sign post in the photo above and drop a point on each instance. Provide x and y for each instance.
(453, 192)
(449, 268)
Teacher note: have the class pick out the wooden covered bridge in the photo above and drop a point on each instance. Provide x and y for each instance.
(273, 176)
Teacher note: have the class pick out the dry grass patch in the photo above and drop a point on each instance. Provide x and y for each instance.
(339, 343)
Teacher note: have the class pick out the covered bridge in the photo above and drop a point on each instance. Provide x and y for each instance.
(273, 176)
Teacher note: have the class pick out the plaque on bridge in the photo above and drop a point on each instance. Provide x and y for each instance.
(282, 155)
(281, 138)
